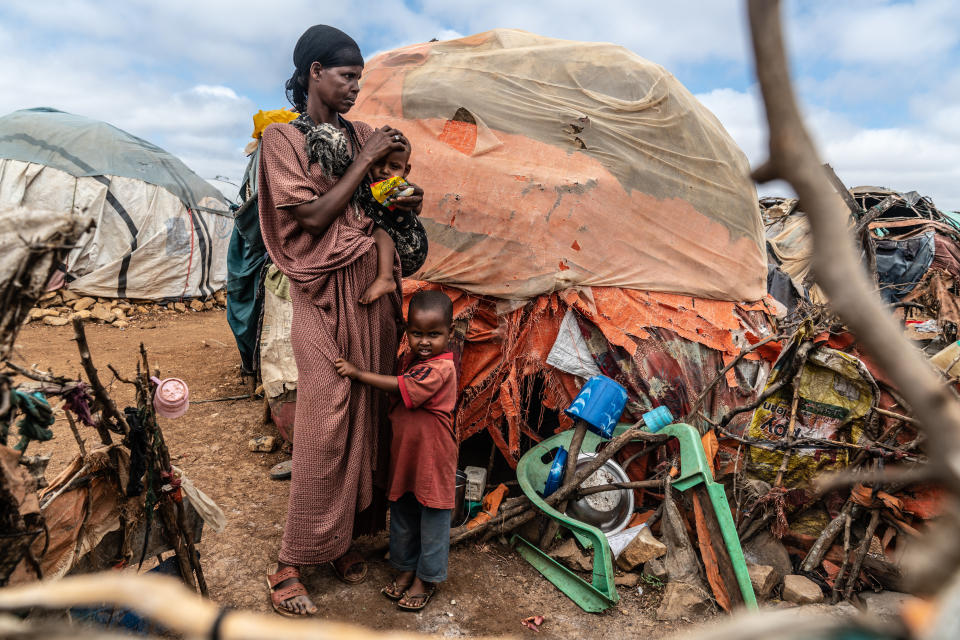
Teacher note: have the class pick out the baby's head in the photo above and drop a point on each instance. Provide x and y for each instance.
(395, 163)
(429, 324)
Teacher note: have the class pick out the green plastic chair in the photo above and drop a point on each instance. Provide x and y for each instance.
(601, 593)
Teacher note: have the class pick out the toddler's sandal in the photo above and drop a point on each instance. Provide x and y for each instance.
(416, 601)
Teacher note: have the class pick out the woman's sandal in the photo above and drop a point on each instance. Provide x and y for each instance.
(346, 562)
(280, 595)
(421, 598)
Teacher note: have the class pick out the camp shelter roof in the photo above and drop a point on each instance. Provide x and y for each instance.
(84, 147)
(550, 163)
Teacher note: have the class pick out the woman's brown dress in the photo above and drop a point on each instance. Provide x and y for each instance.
(337, 424)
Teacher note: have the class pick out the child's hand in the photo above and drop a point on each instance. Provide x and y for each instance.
(412, 202)
(345, 369)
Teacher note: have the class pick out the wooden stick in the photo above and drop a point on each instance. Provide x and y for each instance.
(76, 433)
(175, 515)
(861, 553)
(835, 592)
(703, 394)
(99, 392)
(614, 486)
(573, 455)
(819, 549)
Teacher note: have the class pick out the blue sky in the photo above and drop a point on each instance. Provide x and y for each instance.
(879, 80)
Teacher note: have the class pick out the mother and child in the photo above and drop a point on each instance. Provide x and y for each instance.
(318, 227)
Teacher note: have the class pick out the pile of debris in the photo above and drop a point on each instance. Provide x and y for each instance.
(58, 308)
(119, 500)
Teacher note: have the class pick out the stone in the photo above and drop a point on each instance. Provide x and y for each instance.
(627, 580)
(118, 313)
(55, 321)
(682, 600)
(196, 305)
(142, 309)
(656, 569)
(81, 315)
(208, 305)
(570, 554)
(642, 548)
(121, 324)
(39, 314)
(180, 307)
(262, 444)
(764, 579)
(764, 549)
(801, 590)
(220, 297)
(83, 303)
(68, 296)
(886, 605)
(102, 312)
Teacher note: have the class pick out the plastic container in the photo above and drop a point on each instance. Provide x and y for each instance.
(657, 419)
(555, 477)
(946, 357)
(172, 397)
(599, 404)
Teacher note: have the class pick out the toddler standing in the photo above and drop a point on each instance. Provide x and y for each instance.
(423, 452)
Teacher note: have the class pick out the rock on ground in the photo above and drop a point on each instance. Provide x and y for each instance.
(764, 579)
(642, 548)
(655, 569)
(682, 600)
(626, 580)
(801, 590)
(764, 549)
(570, 554)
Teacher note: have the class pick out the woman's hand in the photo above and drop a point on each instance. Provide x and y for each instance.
(383, 141)
(346, 369)
(412, 203)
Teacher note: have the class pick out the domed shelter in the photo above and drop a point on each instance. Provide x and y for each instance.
(160, 230)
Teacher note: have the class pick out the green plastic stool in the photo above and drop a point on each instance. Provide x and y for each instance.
(601, 593)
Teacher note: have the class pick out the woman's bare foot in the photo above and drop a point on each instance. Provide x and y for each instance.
(287, 593)
(379, 288)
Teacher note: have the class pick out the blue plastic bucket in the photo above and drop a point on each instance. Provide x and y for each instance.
(599, 404)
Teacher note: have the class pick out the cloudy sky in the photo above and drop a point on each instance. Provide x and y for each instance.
(879, 80)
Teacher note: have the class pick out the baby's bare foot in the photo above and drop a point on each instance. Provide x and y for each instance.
(379, 288)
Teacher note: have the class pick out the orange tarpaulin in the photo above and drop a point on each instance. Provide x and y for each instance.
(502, 355)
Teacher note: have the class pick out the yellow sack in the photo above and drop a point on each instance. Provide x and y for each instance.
(836, 394)
(263, 118)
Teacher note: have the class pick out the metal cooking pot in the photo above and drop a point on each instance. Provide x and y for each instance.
(609, 511)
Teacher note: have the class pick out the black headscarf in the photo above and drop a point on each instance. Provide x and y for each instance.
(320, 43)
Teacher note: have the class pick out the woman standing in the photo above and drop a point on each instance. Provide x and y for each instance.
(319, 237)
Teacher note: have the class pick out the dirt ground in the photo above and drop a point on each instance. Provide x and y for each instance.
(490, 590)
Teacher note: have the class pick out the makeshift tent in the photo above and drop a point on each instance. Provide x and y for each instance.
(574, 186)
(160, 230)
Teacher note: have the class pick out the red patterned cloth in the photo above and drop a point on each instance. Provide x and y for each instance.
(337, 426)
(423, 452)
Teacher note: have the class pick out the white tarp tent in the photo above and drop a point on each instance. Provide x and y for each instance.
(160, 230)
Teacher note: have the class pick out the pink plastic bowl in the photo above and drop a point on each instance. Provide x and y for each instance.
(172, 397)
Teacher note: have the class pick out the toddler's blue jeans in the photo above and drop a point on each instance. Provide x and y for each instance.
(419, 538)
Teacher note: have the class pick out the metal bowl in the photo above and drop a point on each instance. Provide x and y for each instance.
(609, 511)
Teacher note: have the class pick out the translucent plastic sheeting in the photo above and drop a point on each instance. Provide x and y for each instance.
(549, 164)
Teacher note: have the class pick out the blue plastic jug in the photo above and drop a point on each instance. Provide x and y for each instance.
(557, 469)
(599, 404)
